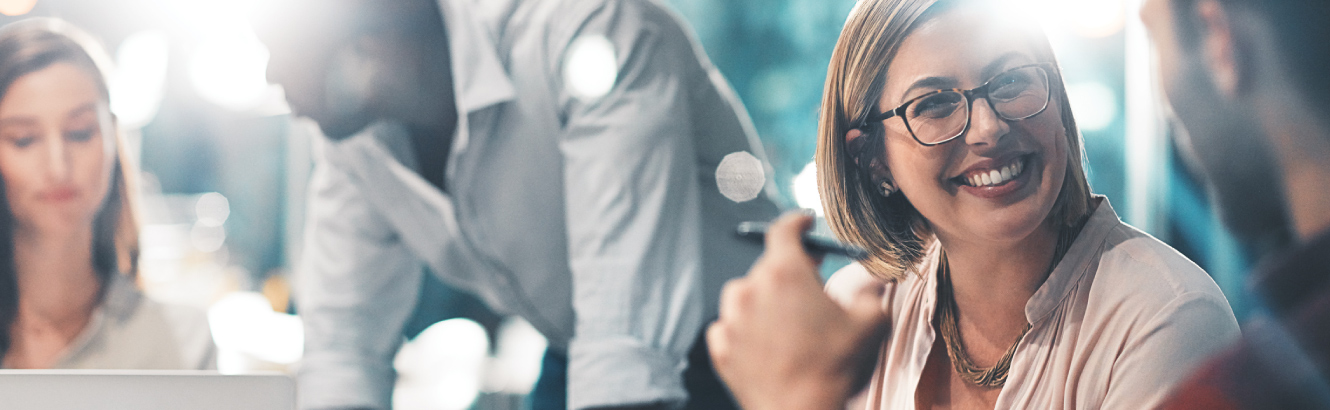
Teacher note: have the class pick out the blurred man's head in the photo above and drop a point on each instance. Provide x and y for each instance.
(347, 63)
(1237, 73)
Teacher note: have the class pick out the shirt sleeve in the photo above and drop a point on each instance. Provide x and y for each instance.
(1175, 342)
(633, 210)
(357, 285)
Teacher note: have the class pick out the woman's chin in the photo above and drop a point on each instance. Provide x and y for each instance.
(59, 223)
(1009, 224)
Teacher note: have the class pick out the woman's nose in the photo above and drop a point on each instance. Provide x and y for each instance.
(986, 127)
(57, 161)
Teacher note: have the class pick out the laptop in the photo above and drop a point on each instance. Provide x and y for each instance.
(143, 390)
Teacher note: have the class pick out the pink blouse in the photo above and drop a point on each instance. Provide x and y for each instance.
(1120, 320)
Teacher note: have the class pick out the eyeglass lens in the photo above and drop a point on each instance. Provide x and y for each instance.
(1014, 95)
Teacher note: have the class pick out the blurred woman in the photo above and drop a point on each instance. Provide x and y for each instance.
(68, 239)
(947, 148)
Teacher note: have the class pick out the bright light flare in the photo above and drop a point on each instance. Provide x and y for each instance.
(805, 189)
(517, 358)
(139, 80)
(1094, 104)
(442, 367)
(1085, 18)
(244, 323)
(230, 69)
(208, 16)
(1096, 18)
(16, 7)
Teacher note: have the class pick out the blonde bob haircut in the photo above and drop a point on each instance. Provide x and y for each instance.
(892, 230)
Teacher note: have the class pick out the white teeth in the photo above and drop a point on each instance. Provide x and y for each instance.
(997, 176)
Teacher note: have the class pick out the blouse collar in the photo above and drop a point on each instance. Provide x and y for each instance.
(1083, 252)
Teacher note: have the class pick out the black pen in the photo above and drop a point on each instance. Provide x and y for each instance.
(757, 231)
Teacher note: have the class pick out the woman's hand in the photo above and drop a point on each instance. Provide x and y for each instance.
(781, 342)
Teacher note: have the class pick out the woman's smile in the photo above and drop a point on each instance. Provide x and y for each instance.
(59, 194)
(998, 177)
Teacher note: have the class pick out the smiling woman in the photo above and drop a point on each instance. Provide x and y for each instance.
(947, 148)
(852, 169)
(68, 236)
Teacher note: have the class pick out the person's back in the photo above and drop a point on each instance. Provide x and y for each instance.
(670, 115)
(587, 205)
(1248, 81)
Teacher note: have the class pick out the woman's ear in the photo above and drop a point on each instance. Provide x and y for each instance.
(854, 133)
(874, 153)
(1220, 50)
(882, 176)
(856, 142)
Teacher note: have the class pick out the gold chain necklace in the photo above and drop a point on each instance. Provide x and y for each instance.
(994, 376)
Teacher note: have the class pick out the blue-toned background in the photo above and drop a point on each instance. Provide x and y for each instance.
(225, 165)
(775, 54)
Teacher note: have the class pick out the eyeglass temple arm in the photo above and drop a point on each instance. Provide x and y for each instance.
(880, 117)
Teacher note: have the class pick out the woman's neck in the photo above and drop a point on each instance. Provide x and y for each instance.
(991, 284)
(58, 285)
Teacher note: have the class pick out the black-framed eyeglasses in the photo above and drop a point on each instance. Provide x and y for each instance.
(941, 116)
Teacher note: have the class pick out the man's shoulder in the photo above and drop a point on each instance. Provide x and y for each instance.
(1270, 367)
(562, 20)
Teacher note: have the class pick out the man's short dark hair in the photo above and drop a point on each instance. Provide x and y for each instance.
(1301, 28)
(359, 16)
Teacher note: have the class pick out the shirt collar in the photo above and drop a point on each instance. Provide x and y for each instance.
(479, 77)
(119, 301)
(121, 298)
(1084, 249)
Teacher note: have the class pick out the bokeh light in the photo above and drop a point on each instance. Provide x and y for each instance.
(740, 176)
(591, 67)
(207, 238)
(212, 209)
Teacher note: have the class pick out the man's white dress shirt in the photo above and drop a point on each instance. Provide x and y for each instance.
(597, 220)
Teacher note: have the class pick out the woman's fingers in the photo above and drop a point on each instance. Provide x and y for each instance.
(784, 236)
(781, 342)
(866, 304)
(785, 256)
(718, 345)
